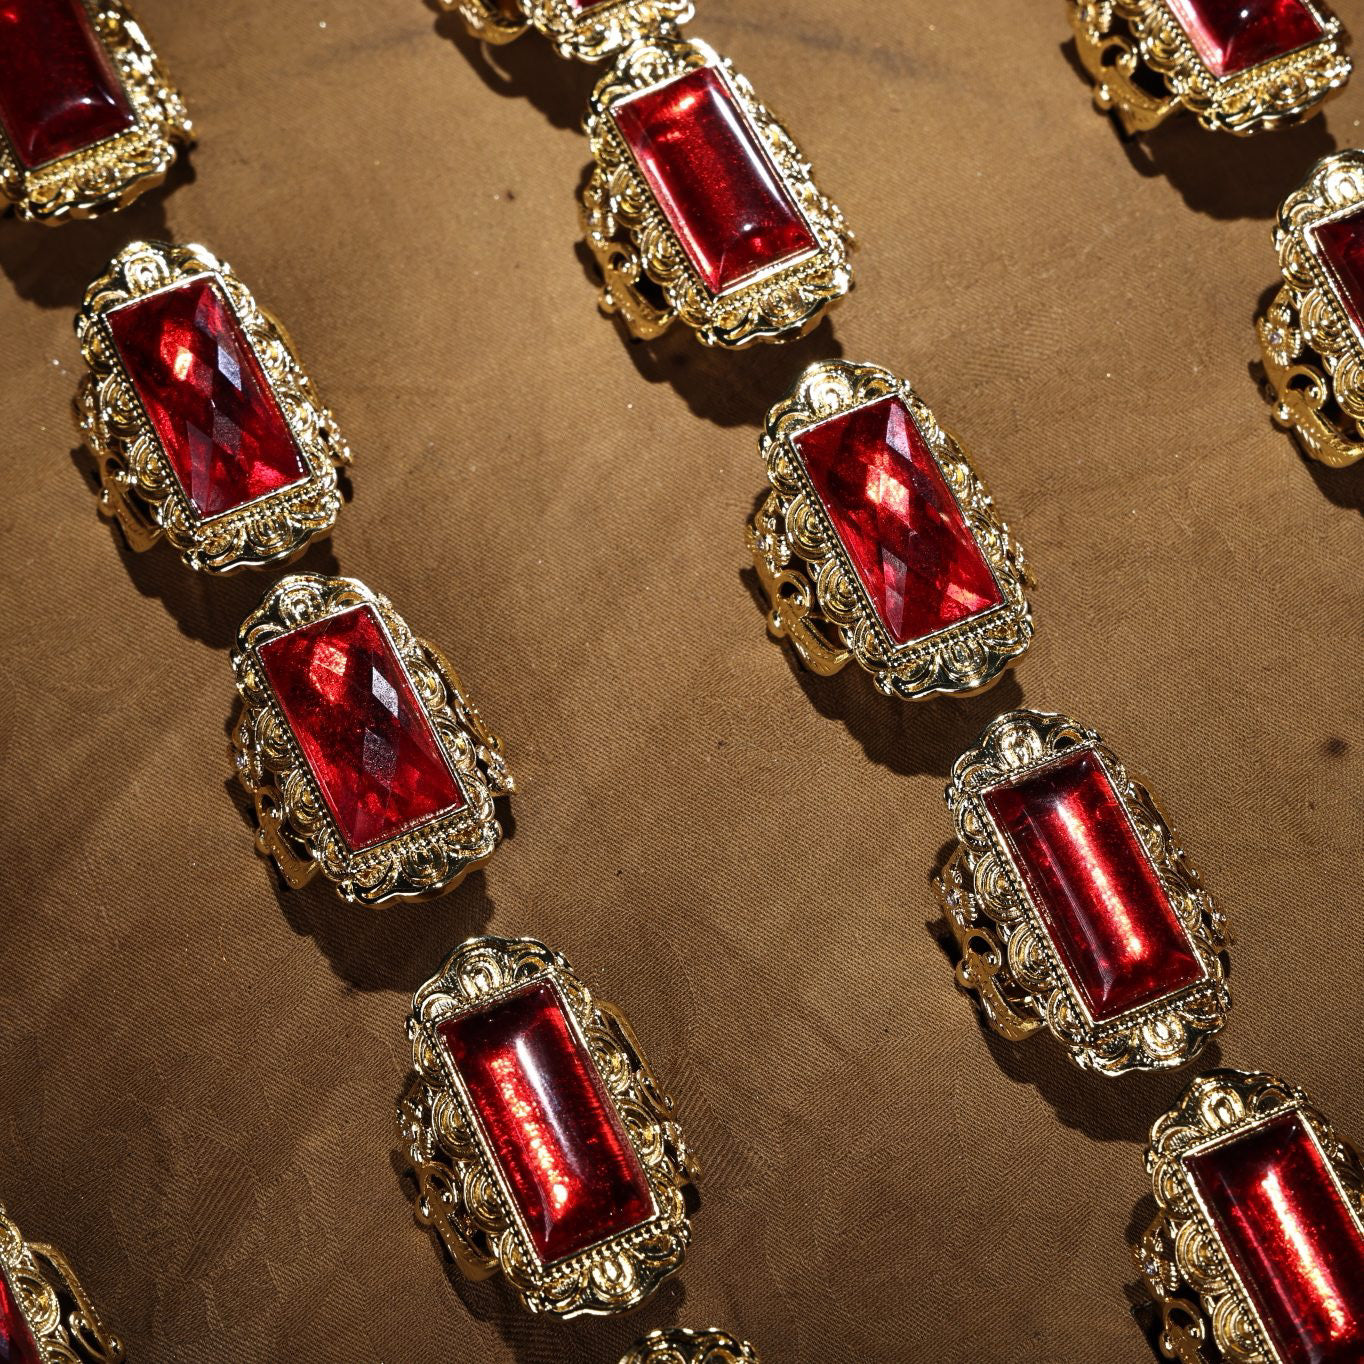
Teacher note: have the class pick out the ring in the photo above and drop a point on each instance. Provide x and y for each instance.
(700, 207)
(89, 118)
(1072, 905)
(1261, 1222)
(542, 1144)
(1312, 334)
(878, 542)
(45, 1315)
(691, 1347)
(203, 424)
(1243, 67)
(587, 30)
(362, 753)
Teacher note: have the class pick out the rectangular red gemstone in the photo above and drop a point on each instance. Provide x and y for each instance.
(1339, 245)
(897, 519)
(1294, 1243)
(558, 1139)
(1234, 35)
(59, 92)
(206, 396)
(706, 167)
(367, 739)
(17, 1345)
(1100, 899)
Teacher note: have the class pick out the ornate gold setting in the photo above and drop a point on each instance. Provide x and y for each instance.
(1007, 957)
(110, 174)
(139, 487)
(588, 35)
(462, 1194)
(817, 599)
(1134, 48)
(1180, 1256)
(648, 279)
(691, 1347)
(1313, 354)
(295, 828)
(64, 1322)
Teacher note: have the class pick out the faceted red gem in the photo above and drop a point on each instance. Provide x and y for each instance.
(1339, 245)
(559, 1141)
(17, 1345)
(1072, 841)
(1234, 35)
(366, 738)
(898, 520)
(1294, 1243)
(706, 167)
(206, 395)
(58, 89)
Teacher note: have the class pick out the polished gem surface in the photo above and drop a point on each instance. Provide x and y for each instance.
(206, 395)
(1339, 245)
(898, 520)
(364, 734)
(17, 1345)
(58, 89)
(561, 1146)
(1074, 846)
(706, 167)
(1290, 1237)
(1234, 35)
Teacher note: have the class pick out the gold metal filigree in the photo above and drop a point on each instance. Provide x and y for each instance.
(1313, 354)
(1007, 956)
(295, 828)
(648, 278)
(1180, 1256)
(139, 487)
(818, 600)
(1135, 49)
(588, 34)
(462, 1190)
(691, 1347)
(110, 174)
(64, 1322)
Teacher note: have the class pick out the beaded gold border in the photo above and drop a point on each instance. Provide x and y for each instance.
(139, 487)
(1181, 1252)
(1313, 355)
(817, 599)
(632, 241)
(295, 827)
(1119, 41)
(585, 35)
(1007, 957)
(109, 174)
(64, 1322)
(680, 1346)
(462, 1193)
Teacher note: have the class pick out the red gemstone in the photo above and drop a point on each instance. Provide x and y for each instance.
(17, 1345)
(705, 165)
(365, 736)
(1339, 245)
(1072, 842)
(559, 1141)
(58, 89)
(1234, 35)
(206, 395)
(1291, 1238)
(898, 520)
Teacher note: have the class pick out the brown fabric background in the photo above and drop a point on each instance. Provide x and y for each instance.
(199, 1071)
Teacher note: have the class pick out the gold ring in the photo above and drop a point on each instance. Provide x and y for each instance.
(587, 30)
(691, 1347)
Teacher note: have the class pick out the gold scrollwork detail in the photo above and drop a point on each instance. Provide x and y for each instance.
(680, 1346)
(587, 34)
(1132, 48)
(816, 599)
(139, 487)
(648, 279)
(110, 174)
(461, 1193)
(1007, 957)
(295, 827)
